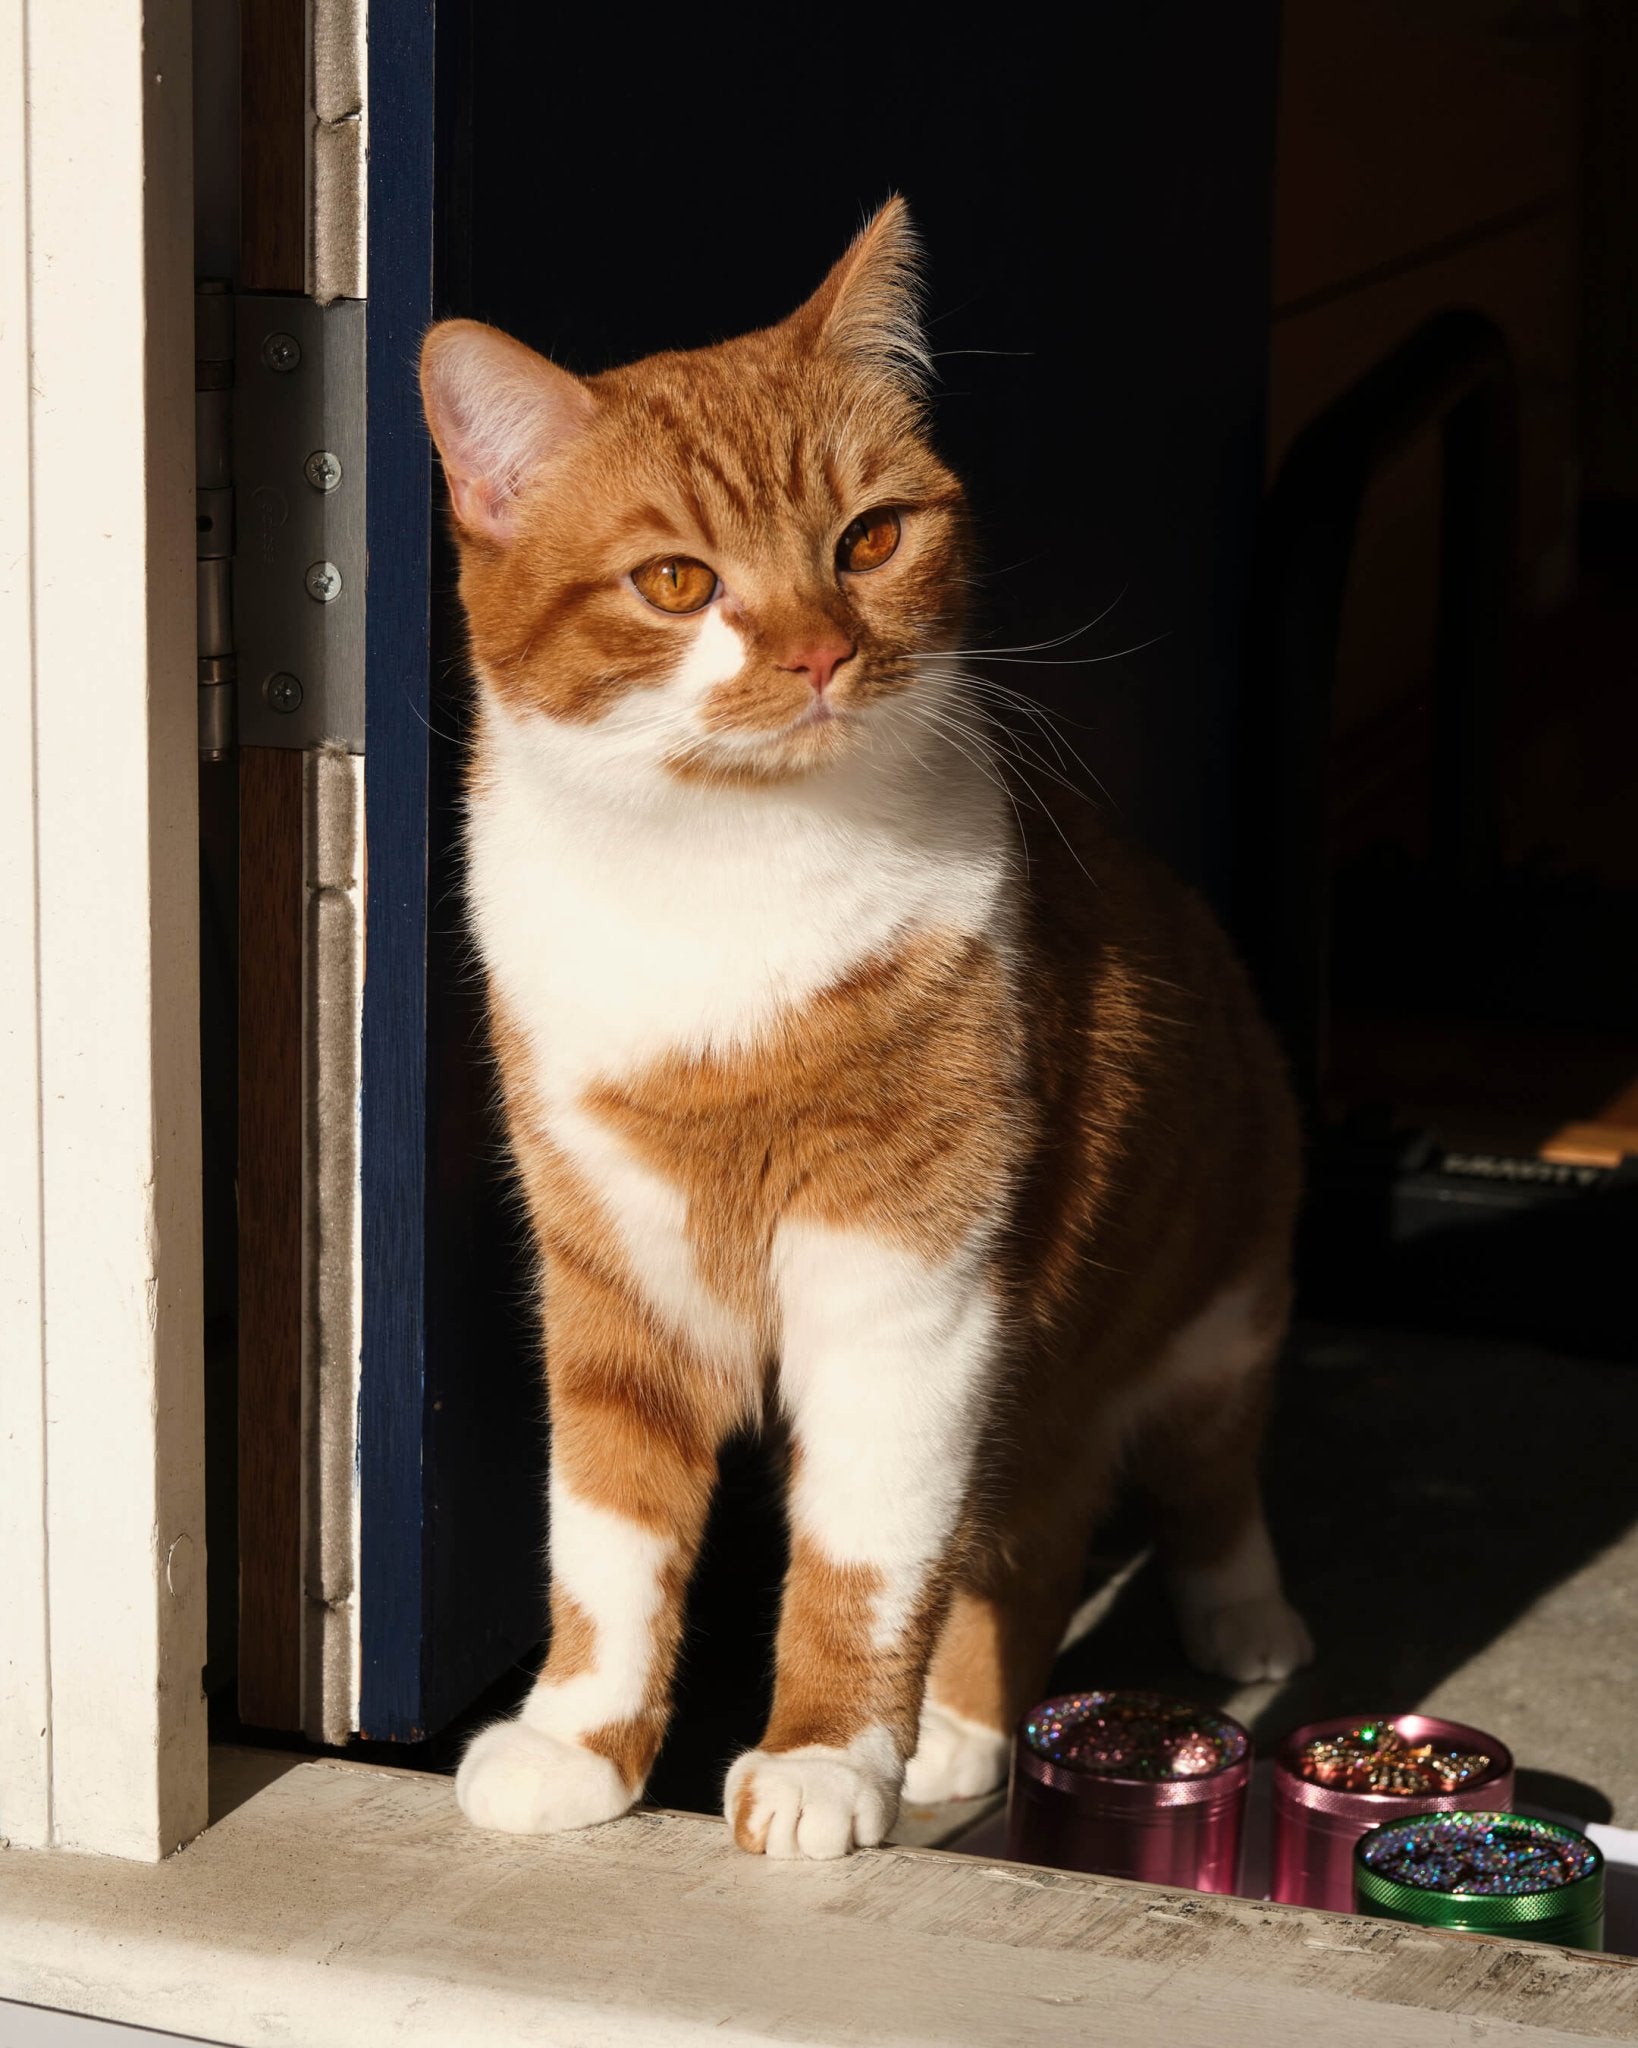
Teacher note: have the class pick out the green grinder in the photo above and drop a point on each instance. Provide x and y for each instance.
(1484, 1873)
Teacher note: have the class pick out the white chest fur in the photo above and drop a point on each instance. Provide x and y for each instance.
(619, 924)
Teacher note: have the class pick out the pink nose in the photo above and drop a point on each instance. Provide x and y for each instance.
(820, 662)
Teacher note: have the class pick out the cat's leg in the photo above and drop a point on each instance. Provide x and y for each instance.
(633, 1465)
(886, 1374)
(1015, 1588)
(1197, 1457)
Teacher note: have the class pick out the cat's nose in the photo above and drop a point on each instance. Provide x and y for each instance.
(819, 661)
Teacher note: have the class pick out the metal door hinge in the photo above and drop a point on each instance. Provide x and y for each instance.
(279, 424)
(298, 464)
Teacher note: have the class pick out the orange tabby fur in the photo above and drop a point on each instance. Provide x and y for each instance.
(1096, 1077)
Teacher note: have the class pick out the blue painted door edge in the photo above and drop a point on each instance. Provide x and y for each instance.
(392, 1590)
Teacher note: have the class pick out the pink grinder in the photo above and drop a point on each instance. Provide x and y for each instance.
(1130, 1784)
(1316, 1826)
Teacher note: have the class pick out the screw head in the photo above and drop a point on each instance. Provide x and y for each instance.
(323, 581)
(283, 692)
(281, 352)
(322, 469)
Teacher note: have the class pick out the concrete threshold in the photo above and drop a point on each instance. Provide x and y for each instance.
(340, 1905)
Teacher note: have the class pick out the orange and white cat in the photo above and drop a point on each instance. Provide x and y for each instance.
(974, 1168)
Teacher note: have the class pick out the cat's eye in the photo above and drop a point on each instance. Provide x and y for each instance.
(676, 583)
(869, 541)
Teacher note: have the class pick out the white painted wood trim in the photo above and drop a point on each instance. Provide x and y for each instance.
(343, 1906)
(25, 1761)
(102, 1731)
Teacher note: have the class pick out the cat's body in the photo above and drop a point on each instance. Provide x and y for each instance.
(828, 1096)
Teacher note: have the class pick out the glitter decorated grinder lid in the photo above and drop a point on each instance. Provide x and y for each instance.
(1488, 1871)
(1121, 1748)
(1364, 1766)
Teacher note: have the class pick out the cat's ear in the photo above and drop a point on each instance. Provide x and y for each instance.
(496, 411)
(868, 310)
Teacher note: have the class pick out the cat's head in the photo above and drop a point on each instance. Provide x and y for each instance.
(724, 564)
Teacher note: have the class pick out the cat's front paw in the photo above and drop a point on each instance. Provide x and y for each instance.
(1264, 1637)
(955, 1758)
(816, 1801)
(524, 1782)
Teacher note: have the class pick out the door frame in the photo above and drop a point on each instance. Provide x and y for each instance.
(102, 1537)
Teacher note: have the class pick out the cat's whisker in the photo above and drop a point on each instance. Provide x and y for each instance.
(967, 687)
(1057, 640)
(1018, 701)
(1047, 722)
(901, 739)
(980, 681)
(452, 739)
(1026, 659)
(1069, 660)
(954, 733)
(1062, 753)
(1046, 811)
(929, 719)
(1028, 752)
(1015, 700)
(1028, 755)
(1000, 569)
(1017, 749)
(1044, 721)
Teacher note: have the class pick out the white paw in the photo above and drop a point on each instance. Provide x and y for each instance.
(1263, 1637)
(816, 1801)
(955, 1758)
(525, 1782)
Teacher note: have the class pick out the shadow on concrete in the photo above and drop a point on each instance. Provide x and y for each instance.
(1425, 1493)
